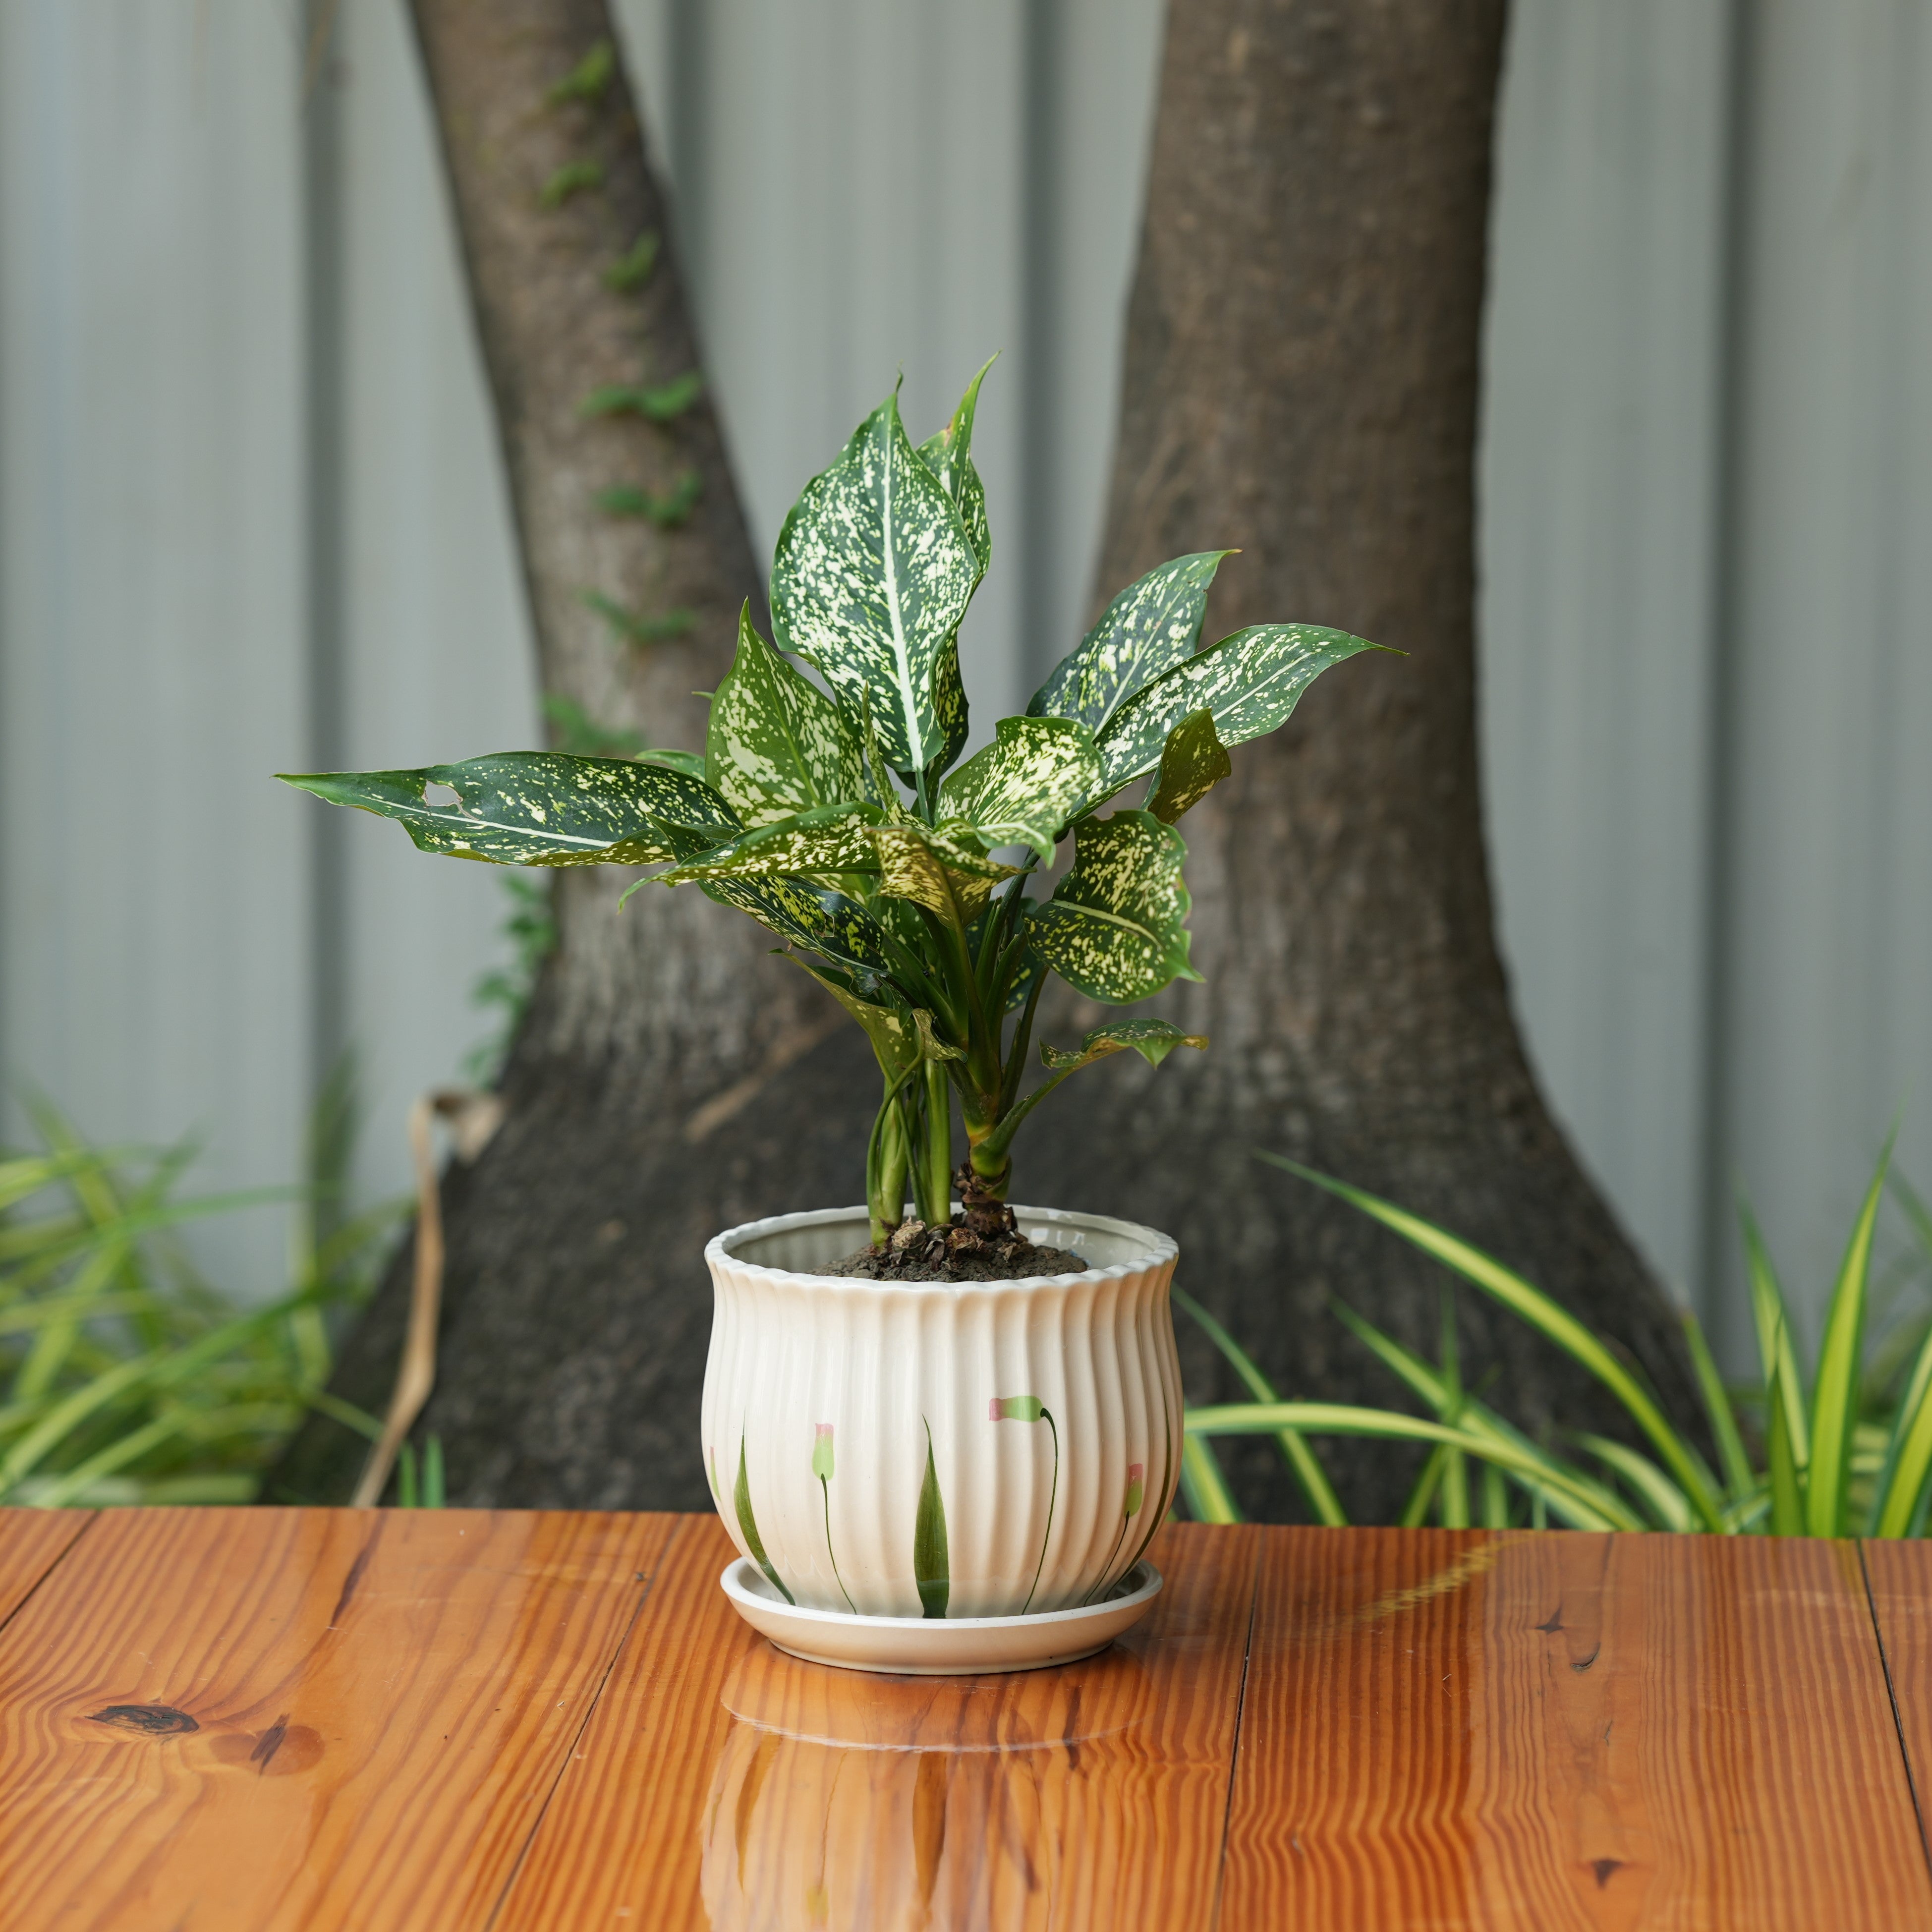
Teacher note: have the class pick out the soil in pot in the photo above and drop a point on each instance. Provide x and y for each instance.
(993, 1250)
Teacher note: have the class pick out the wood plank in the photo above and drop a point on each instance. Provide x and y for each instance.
(1555, 1730)
(271, 1718)
(32, 1542)
(723, 1784)
(1899, 1578)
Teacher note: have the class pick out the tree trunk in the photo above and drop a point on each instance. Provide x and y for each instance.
(577, 1310)
(1301, 380)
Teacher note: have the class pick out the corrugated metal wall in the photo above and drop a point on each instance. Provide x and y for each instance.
(251, 516)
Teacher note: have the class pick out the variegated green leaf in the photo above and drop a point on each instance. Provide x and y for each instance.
(1116, 928)
(948, 711)
(894, 1033)
(1154, 1040)
(944, 867)
(948, 456)
(1192, 763)
(776, 745)
(692, 763)
(539, 808)
(1249, 681)
(873, 572)
(1149, 627)
(830, 838)
(1024, 787)
(828, 923)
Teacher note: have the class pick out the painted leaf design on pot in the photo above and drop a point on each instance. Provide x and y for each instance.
(1031, 1408)
(748, 1526)
(821, 1451)
(873, 572)
(1192, 763)
(1149, 627)
(776, 745)
(1130, 1503)
(1136, 1488)
(931, 1564)
(1116, 927)
(540, 808)
(1024, 788)
(821, 1467)
(1250, 682)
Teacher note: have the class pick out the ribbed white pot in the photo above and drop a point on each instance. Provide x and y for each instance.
(966, 1449)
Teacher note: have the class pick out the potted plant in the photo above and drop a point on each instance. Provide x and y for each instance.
(922, 1412)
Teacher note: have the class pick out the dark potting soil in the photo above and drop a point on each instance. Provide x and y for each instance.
(919, 1253)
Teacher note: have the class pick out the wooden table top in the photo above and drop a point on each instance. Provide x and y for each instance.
(254, 1719)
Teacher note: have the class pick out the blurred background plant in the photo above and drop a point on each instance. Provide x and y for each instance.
(129, 1377)
(1845, 1451)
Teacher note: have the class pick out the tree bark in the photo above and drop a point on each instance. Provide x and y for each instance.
(577, 1307)
(1301, 380)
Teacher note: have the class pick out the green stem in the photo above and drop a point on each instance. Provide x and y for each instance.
(825, 1490)
(1052, 1496)
(933, 1176)
(887, 1155)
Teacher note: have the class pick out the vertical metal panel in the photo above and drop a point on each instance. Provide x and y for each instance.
(1829, 1026)
(1598, 469)
(153, 916)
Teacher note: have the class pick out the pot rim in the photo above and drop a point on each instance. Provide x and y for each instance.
(1158, 1249)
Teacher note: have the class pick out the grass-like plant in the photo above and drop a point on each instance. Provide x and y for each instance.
(128, 1378)
(835, 811)
(1824, 1469)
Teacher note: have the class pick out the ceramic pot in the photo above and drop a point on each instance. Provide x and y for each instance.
(967, 1449)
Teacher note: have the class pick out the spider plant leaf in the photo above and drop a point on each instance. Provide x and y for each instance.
(1303, 1462)
(775, 745)
(1582, 1507)
(873, 572)
(1415, 1510)
(1665, 1501)
(1908, 1457)
(1548, 1317)
(1835, 1394)
(1024, 788)
(1455, 1491)
(1740, 1478)
(1787, 1476)
(1495, 1498)
(1209, 1498)
(1116, 926)
(1250, 682)
(1151, 626)
(1192, 763)
(1771, 1314)
(539, 808)
(1154, 1040)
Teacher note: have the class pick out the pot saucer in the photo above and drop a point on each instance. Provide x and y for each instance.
(939, 1646)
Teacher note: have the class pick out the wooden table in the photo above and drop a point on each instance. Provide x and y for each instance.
(251, 1719)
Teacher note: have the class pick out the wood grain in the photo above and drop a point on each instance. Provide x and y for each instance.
(266, 1718)
(32, 1542)
(723, 1784)
(1898, 1577)
(1454, 1730)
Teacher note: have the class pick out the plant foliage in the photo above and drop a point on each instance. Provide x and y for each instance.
(1825, 1468)
(830, 805)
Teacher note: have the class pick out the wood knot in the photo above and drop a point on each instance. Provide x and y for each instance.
(147, 1720)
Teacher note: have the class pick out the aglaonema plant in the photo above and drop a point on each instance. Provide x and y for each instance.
(836, 813)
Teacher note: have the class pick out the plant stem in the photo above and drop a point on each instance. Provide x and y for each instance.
(932, 1178)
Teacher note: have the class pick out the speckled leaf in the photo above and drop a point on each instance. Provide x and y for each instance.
(944, 867)
(692, 763)
(1116, 928)
(1026, 785)
(828, 923)
(948, 456)
(748, 1527)
(1154, 1040)
(931, 1564)
(539, 808)
(1249, 681)
(948, 711)
(1149, 627)
(776, 745)
(872, 574)
(893, 1031)
(1192, 763)
(830, 838)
